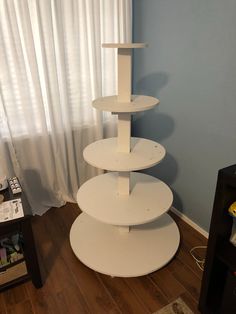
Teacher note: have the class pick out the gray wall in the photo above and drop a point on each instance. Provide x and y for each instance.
(190, 66)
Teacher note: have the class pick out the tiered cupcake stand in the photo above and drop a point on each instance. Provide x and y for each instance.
(124, 230)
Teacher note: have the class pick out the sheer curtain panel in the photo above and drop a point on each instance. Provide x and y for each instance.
(52, 67)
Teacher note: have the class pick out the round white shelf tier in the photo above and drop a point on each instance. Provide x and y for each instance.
(149, 198)
(105, 249)
(138, 103)
(144, 154)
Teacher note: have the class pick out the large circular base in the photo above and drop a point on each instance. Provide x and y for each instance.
(108, 250)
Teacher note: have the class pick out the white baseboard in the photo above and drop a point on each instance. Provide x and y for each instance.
(190, 222)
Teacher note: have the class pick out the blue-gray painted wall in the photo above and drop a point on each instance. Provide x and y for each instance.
(190, 65)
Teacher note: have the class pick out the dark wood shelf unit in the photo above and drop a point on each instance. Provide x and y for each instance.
(5, 267)
(23, 226)
(218, 290)
(227, 254)
(15, 282)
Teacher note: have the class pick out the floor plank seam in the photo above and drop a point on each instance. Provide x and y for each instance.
(107, 291)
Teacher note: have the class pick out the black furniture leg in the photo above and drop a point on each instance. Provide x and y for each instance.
(31, 254)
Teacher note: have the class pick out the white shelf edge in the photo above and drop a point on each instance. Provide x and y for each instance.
(138, 103)
(124, 45)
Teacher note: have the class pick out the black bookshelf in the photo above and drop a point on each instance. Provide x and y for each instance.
(218, 291)
(22, 226)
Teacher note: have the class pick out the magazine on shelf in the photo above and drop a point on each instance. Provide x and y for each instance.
(10, 210)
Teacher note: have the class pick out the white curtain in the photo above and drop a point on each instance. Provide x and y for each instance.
(51, 68)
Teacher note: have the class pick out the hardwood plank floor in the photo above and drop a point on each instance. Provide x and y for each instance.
(70, 287)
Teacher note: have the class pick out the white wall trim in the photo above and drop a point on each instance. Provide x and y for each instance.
(189, 222)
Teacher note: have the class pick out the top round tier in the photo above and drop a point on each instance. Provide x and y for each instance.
(124, 45)
(138, 103)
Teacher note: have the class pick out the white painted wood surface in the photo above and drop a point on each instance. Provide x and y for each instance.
(138, 103)
(141, 251)
(124, 45)
(104, 154)
(124, 74)
(149, 198)
(123, 183)
(124, 230)
(124, 132)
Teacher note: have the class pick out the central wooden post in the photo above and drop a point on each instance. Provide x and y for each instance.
(124, 74)
(124, 119)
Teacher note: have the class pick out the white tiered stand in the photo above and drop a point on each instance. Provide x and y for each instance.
(124, 230)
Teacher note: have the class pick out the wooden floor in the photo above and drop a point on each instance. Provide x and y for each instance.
(70, 287)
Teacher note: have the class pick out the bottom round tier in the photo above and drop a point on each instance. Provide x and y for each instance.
(104, 248)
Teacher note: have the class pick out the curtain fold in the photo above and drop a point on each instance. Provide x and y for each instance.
(52, 67)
